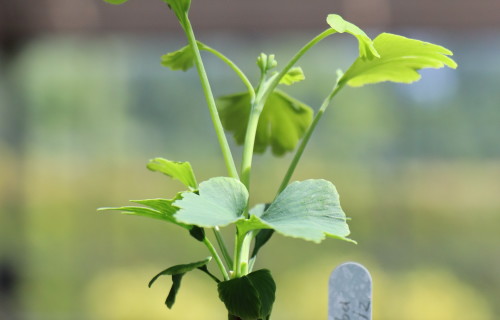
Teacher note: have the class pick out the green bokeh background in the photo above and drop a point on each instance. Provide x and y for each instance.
(417, 168)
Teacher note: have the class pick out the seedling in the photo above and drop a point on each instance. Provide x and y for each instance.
(260, 118)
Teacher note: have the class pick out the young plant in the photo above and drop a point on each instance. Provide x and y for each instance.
(259, 118)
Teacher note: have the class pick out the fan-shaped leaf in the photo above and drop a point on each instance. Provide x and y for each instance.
(400, 59)
(177, 272)
(366, 48)
(219, 202)
(181, 171)
(308, 210)
(283, 121)
(294, 75)
(250, 297)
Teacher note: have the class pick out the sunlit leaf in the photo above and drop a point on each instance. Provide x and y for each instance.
(292, 76)
(181, 171)
(400, 59)
(177, 272)
(250, 297)
(282, 123)
(161, 209)
(219, 202)
(307, 209)
(366, 47)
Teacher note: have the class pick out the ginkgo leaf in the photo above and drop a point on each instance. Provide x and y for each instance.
(249, 297)
(181, 171)
(218, 202)
(400, 59)
(177, 272)
(308, 209)
(160, 209)
(283, 121)
(366, 47)
(293, 75)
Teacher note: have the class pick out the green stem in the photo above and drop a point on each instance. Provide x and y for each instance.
(242, 252)
(216, 257)
(226, 151)
(235, 68)
(265, 89)
(307, 136)
(223, 248)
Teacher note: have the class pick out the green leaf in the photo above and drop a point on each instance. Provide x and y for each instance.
(282, 123)
(366, 47)
(400, 60)
(250, 297)
(160, 209)
(309, 210)
(177, 272)
(219, 202)
(293, 75)
(182, 59)
(115, 1)
(181, 171)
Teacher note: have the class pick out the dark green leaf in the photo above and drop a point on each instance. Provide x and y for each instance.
(308, 210)
(282, 123)
(177, 272)
(197, 233)
(250, 297)
(181, 171)
(400, 59)
(366, 47)
(219, 202)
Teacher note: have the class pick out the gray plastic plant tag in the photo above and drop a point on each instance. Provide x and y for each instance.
(350, 293)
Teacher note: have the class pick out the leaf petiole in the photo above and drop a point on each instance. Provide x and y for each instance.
(307, 136)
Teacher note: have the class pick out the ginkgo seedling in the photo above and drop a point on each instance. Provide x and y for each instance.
(264, 117)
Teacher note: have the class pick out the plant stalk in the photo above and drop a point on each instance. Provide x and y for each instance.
(223, 248)
(307, 136)
(216, 257)
(226, 151)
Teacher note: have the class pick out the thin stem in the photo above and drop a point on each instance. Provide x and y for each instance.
(235, 68)
(226, 151)
(305, 140)
(216, 257)
(265, 89)
(242, 252)
(223, 248)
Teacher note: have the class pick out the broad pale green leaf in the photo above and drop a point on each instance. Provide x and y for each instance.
(366, 48)
(250, 297)
(219, 202)
(115, 1)
(294, 75)
(181, 171)
(283, 121)
(177, 272)
(308, 210)
(400, 59)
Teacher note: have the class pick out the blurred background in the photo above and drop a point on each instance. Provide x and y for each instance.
(84, 103)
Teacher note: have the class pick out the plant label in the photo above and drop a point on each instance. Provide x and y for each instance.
(350, 293)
